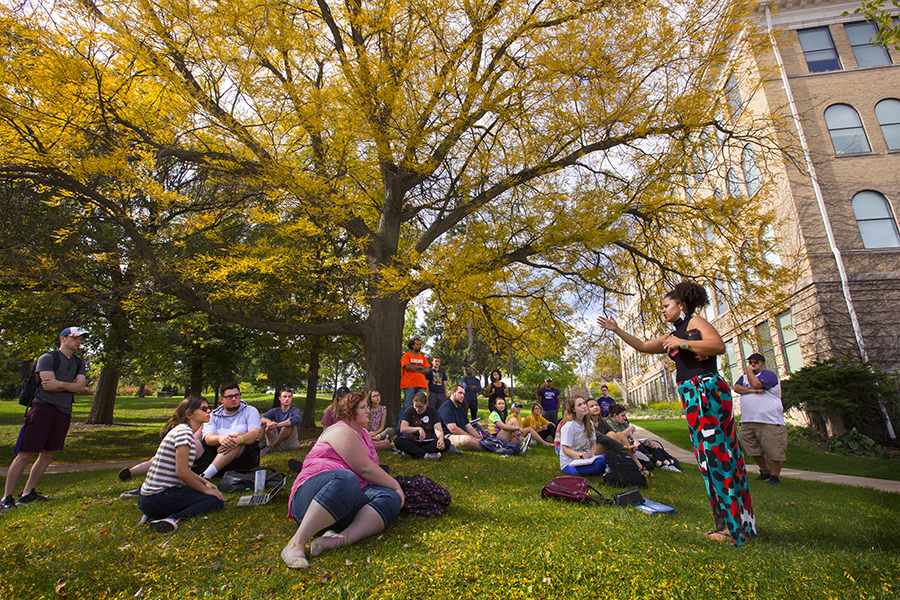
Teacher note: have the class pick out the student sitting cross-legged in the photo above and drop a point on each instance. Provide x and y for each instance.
(422, 433)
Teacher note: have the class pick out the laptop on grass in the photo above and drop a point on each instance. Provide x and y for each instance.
(260, 499)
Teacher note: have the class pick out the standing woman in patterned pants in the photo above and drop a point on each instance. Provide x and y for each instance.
(706, 397)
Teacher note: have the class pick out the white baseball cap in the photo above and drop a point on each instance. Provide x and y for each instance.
(75, 332)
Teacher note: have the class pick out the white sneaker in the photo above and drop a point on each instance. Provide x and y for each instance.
(166, 525)
(670, 468)
(432, 456)
(526, 443)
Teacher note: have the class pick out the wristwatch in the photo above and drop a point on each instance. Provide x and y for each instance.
(684, 345)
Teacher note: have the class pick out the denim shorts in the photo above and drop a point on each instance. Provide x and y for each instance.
(338, 492)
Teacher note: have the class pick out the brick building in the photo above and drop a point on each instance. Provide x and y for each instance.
(837, 209)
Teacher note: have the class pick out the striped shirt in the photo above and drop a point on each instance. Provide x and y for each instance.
(161, 475)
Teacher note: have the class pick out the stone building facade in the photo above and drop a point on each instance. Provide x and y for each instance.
(839, 218)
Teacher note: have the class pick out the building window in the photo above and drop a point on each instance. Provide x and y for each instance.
(818, 48)
(765, 346)
(732, 368)
(722, 301)
(732, 184)
(847, 133)
(733, 95)
(876, 223)
(752, 175)
(770, 246)
(790, 345)
(888, 113)
(863, 38)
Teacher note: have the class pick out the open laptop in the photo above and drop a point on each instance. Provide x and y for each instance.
(260, 499)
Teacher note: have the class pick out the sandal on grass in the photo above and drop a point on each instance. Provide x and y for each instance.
(719, 536)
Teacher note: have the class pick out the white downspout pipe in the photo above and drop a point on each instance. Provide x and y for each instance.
(845, 284)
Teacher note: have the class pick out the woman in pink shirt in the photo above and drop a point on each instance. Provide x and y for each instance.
(341, 486)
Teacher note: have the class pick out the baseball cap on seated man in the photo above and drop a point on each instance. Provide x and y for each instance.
(757, 357)
(74, 332)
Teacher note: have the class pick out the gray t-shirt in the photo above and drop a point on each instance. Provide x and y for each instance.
(68, 370)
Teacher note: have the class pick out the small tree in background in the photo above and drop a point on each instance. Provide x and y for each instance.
(839, 394)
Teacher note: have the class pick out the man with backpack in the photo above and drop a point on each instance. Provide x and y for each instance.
(61, 374)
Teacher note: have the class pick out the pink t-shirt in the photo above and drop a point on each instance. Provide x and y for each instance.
(323, 457)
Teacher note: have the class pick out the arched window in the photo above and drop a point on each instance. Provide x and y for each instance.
(888, 113)
(732, 184)
(876, 222)
(752, 175)
(847, 133)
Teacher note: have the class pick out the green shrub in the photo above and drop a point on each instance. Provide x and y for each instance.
(850, 390)
(853, 442)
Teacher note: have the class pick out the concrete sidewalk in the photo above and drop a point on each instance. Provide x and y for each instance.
(685, 456)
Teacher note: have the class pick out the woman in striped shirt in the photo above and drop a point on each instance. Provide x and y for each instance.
(171, 490)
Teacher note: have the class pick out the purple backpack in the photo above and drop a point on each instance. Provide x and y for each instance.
(423, 496)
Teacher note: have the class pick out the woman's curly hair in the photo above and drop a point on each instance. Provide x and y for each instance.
(346, 406)
(689, 294)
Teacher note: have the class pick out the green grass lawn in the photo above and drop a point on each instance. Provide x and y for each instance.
(498, 540)
(798, 457)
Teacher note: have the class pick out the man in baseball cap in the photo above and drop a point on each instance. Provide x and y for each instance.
(763, 432)
(61, 374)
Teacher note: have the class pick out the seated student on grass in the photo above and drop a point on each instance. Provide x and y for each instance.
(142, 467)
(454, 416)
(608, 439)
(341, 487)
(328, 416)
(230, 437)
(172, 491)
(280, 425)
(545, 429)
(503, 430)
(378, 430)
(649, 451)
(577, 443)
(516, 419)
(422, 435)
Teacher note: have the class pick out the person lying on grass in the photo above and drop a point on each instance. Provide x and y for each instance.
(172, 491)
(516, 420)
(341, 488)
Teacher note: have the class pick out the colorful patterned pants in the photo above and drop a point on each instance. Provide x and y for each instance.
(708, 409)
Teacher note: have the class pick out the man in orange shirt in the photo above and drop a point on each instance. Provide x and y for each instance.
(414, 365)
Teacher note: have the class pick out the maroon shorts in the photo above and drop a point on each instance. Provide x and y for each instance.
(45, 428)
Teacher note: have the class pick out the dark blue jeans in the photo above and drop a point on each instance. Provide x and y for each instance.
(338, 492)
(178, 503)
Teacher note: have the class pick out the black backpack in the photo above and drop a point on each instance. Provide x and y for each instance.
(31, 381)
(622, 472)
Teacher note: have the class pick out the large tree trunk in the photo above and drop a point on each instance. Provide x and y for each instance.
(105, 396)
(196, 375)
(312, 383)
(383, 349)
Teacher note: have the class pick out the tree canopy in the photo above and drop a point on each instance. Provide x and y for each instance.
(308, 168)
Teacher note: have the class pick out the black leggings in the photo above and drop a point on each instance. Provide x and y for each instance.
(416, 448)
